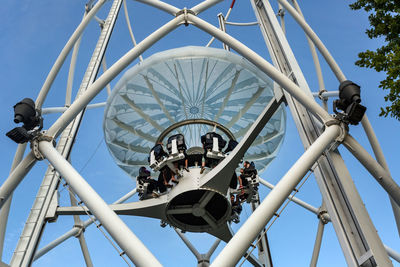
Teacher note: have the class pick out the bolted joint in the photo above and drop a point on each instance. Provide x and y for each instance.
(185, 13)
(323, 216)
(281, 13)
(344, 128)
(81, 229)
(320, 94)
(35, 144)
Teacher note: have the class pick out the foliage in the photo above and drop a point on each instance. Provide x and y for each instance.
(384, 18)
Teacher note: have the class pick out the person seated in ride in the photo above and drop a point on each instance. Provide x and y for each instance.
(145, 178)
(248, 170)
(207, 141)
(182, 163)
(181, 146)
(166, 174)
(236, 208)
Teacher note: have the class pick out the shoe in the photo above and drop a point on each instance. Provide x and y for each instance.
(186, 169)
(202, 170)
(175, 182)
(155, 194)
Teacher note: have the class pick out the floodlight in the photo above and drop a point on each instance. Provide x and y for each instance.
(25, 112)
(349, 102)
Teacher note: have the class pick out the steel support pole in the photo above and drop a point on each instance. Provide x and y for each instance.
(317, 65)
(79, 104)
(188, 244)
(161, 6)
(5, 211)
(204, 5)
(373, 140)
(85, 250)
(75, 230)
(356, 234)
(128, 23)
(392, 253)
(128, 242)
(264, 253)
(265, 66)
(240, 242)
(213, 248)
(15, 177)
(81, 238)
(314, 37)
(317, 244)
(376, 170)
(62, 109)
(293, 198)
(36, 222)
(64, 53)
(71, 72)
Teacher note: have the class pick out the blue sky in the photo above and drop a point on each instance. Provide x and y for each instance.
(33, 33)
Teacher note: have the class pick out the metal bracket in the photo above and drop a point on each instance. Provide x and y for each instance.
(344, 128)
(81, 229)
(323, 216)
(185, 13)
(365, 257)
(35, 144)
(281, 12)
(320, 95)
(51, 214)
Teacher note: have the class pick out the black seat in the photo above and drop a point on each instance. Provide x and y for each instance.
(180, 143)
(208, 139)
(159, 152)
(231, 145)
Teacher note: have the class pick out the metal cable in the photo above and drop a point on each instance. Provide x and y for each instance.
(98, 226)
(91, 217)
(91, 156)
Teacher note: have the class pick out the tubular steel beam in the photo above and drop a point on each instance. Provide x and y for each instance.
(128, 242)
(315, 39)
(64, 53)
(264, 65)
(79, 104)
(317, 245)
(15, 177)
(239, 243)
(4, 212)
(373, 140)
(75, 230)
(355, 231)
(376, 170)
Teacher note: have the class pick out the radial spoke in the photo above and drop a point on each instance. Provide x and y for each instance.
(180, 210)
(206, 198)
(210, 220)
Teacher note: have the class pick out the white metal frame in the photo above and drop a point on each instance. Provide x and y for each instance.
(333, 134)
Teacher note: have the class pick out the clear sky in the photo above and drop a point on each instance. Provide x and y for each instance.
(32, 34)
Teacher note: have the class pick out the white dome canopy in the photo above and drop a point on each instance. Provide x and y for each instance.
(189, 83)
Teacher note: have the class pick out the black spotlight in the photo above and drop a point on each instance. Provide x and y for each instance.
(349, 102)
(26, 113)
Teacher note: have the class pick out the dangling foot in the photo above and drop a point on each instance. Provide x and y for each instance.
(202, 170)
(186, 169)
